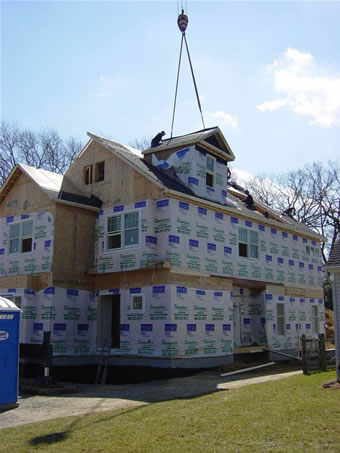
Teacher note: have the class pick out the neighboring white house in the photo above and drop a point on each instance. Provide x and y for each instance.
(333, 266)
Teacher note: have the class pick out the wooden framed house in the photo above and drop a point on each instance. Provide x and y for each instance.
(157, 256)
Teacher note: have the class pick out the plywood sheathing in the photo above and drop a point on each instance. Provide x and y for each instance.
(35, 282)
(73, 250)
(25, 197)
(122, 184)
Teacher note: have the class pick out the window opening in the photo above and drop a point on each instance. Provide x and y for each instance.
(88, 175)
(280, 318)
(100, 171)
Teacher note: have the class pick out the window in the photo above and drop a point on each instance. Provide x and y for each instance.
(210, 172)
(280, 318)
(137, 302)
(123, 230)
(21, 237)
(100, 171)
(312, 251)
(315, 320)
(248, 243)
(88, 175)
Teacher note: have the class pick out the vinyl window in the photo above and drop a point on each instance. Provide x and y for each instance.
(210, 172)
(123, 230)
(314, 252)
(248, 241)
(21, 237)
(137, 302)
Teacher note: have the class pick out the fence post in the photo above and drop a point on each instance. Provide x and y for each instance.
(322, 352)
(304, 354)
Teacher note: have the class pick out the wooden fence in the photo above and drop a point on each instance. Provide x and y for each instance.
(315, 355)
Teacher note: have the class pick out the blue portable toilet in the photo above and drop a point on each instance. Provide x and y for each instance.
(9, 353)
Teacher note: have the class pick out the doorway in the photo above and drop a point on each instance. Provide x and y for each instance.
(108, 321)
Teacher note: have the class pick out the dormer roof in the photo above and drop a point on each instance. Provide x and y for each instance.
(54, 185)
(211, 140)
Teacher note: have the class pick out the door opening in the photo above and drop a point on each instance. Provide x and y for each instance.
(108, 321)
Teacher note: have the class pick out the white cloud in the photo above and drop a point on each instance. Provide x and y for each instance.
(270, 106)
(224, 118)
(309, 89)
(241, 176)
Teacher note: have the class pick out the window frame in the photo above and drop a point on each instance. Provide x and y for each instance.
(248, 243)
(21, 237)
(122, 230)
(282, 332)
(312, 251)
(137, 310)
(210, 172)
(315, 320)
(98, 165)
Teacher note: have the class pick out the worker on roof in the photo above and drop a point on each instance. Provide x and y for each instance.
(156, 141)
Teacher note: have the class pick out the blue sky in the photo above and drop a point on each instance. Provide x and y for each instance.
(268, 73)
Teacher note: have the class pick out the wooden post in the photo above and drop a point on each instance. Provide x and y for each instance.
(322, 352)
(304, 354)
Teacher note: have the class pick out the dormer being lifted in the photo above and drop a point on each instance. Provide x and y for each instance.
(210, 140)
(199, 160)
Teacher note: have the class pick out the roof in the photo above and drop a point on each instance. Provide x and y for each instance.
(54, 185)
(7, 305)
(334, 257)
(212, 137)
(167, 179)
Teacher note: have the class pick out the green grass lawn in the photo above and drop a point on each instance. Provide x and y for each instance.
(290, 415)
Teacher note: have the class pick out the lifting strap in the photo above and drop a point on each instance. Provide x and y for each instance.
(182, 22)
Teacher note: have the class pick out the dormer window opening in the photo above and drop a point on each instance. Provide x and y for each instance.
(88, 175)
(99, 171)
(210, 172)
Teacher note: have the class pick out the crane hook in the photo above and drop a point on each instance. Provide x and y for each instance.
(182, 21)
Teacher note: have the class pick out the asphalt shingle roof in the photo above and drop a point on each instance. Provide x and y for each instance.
(334, 258)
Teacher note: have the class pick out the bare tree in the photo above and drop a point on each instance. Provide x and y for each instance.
(313, 192)
(44, 149)
(141, 143)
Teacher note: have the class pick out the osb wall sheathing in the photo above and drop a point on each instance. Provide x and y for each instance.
(122, 184)
(36, 282)
(294, 292)
(73, 251)
(25, 197)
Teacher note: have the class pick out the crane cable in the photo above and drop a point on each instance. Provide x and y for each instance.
(182, 22)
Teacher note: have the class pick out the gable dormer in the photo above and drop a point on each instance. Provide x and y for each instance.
(199, 160)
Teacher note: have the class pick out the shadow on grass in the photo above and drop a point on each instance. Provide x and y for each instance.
(52, 438)
(49, 438)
